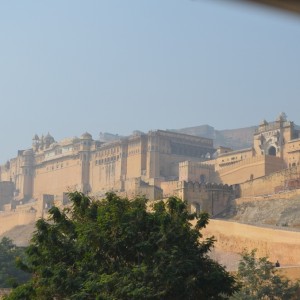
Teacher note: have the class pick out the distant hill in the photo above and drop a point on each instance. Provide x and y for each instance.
(234, 138)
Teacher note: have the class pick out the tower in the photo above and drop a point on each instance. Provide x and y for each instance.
(85, 148)
(27, 174)
(153, 155)
(35, 143)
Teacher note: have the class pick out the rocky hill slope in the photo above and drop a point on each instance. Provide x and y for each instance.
(21, 235)
(279, 213)
(233, 138)
(239, 138)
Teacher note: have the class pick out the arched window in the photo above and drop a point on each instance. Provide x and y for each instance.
(202, 178)
(195, 208)
(272, 151)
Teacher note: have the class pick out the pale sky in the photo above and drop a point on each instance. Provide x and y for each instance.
(72, 66)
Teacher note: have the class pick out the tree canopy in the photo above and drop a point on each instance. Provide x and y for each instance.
(10, 274)
(118, 249)
(259, 279)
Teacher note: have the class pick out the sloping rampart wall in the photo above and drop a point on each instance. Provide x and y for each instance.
(280, 181)
(276, 244)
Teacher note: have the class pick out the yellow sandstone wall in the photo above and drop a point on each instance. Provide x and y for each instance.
(134, 161)
(57, 177)
(196, 171)
(232, 157)
(283, 195)
(276, 244)
(269, 184)
(292, 153)
(9, 220)
(172, 188)
(105, 176)
(249, 169)
(292, 273)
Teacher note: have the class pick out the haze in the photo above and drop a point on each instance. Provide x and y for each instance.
(67, 67)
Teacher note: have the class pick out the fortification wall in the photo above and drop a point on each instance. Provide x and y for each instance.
(196, 171)
(276, 244)
(230, 158)
(243, 170)
(172, 188)
(58, 177)
(106, 176)
(136, 156)
(213, 198)
(6, 193)
(249, 169)
(9, 220)
(274, 183)
(282, 195)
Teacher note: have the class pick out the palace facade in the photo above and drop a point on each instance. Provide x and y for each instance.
(141, 164)
(156, 164)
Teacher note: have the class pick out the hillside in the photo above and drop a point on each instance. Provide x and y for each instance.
(279, 213)
(239, 138)
(21, 234)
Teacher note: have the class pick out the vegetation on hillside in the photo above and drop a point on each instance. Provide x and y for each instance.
(116, 249)
(260, 280)
(10, 274)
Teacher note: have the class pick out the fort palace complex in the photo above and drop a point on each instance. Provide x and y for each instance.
(156, 164)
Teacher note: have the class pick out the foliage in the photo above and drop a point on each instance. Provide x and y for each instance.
(10, 275)
(260, 279)
(116, 249)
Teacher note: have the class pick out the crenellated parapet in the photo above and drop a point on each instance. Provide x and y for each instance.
(198, 186)
(210, 197)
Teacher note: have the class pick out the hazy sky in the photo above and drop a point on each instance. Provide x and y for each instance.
(70, 66)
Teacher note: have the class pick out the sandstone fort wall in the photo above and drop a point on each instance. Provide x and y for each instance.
(57, 177)
(9, 220)
(277, 182)
(249, 169)
(276, 244)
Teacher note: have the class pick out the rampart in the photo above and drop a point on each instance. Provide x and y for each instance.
(197, 171)
(209, 197)
(276, 244)
(289, 194)
(9, 220)
(6, 193)
(281, 181)
(250, 168)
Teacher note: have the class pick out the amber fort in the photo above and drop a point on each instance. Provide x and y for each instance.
(156, 164)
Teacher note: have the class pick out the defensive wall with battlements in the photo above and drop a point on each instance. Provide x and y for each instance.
(156, 164)
(280, 181)
(277, 244)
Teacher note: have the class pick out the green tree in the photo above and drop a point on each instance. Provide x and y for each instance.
(260, 279)
(10, 275)
(117, 249)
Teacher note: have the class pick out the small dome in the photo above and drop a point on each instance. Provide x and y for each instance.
(49, 137)
(36, 137)
(86, 136)
(263, 122)
(282, 117)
